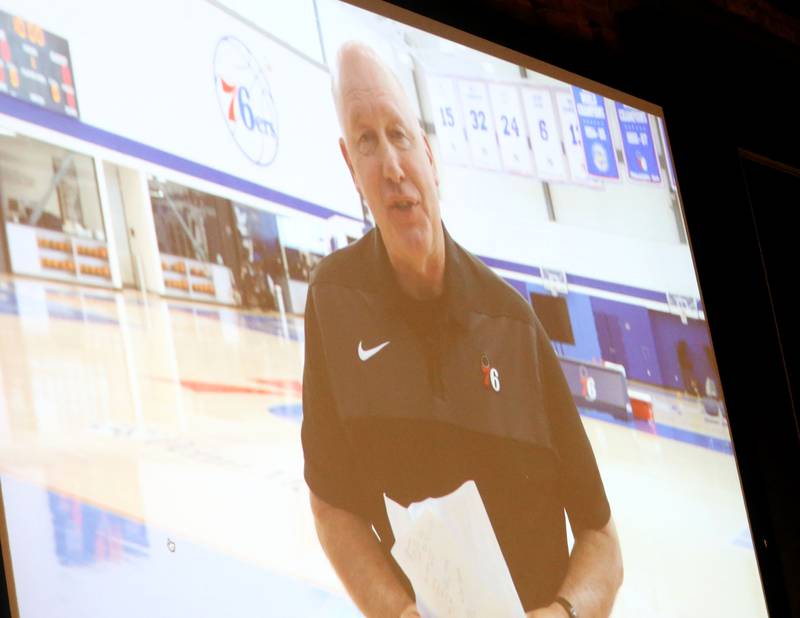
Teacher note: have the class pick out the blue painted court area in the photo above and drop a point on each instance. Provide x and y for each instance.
(664, 431)
(10, 305)
(108, 298)
(8, 301)
(268, 324)
(271, 325)
(97, 563)
(64, 312)
(290, 411)
(84, 534)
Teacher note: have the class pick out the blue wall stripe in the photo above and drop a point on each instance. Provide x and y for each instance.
(75, 128)
(618, 288)
(513, 266)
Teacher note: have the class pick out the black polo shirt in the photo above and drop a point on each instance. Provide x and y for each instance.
(417, 416)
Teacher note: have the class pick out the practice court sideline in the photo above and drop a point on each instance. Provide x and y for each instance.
(151, 465)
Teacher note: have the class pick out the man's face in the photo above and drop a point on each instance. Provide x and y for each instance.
(389, 158)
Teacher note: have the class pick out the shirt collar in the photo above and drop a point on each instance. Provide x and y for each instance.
(457, 278)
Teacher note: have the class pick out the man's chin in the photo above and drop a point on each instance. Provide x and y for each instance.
(412, 242)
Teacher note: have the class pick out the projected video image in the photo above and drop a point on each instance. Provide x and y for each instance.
(351, 320)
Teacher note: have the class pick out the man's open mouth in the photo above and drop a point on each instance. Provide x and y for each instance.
(403, 205)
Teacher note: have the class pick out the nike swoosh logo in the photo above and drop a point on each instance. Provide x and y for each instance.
(365, 355)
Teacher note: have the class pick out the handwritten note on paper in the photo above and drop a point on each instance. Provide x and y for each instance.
(448, 550)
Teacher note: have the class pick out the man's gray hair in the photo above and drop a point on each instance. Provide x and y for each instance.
(353, 49)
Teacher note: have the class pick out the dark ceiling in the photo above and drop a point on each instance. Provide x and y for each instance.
(598, 19)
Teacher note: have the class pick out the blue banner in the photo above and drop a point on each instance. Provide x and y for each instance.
(637, 142)
(600, 157)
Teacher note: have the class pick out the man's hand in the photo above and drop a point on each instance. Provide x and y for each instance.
(593, 576)
(356, 555)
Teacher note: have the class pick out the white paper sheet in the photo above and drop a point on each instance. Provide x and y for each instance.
(448, 550)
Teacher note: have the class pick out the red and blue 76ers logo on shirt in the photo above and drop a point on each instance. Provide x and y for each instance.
(491, 377)
(245, 100)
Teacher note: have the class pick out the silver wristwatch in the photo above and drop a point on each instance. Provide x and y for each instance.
(568, 607)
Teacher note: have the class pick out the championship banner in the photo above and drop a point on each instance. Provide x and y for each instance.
(637, 142)
(600, 158)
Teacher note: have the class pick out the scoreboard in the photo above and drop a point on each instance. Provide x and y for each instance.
(35, 65)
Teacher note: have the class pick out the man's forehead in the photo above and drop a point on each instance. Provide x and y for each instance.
(360, 102)
(365, 78)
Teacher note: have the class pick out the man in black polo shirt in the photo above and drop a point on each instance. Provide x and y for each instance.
(423, 370)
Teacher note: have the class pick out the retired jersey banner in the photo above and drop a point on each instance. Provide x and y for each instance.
(35, 65)
(448, 120)
(637, 142)
(508, 120)
(571, 129)
(480, 125)
(600, 158)
(544, 134)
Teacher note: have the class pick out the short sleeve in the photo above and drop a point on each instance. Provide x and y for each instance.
(581, 484)
(330, 471)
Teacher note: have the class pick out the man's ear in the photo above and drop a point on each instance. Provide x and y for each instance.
(429, 153)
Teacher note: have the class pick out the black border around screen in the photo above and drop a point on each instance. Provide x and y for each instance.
(702, 51)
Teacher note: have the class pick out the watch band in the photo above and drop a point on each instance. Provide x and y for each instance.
(568, 607)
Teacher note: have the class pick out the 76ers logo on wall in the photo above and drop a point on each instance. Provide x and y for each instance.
(245, 99)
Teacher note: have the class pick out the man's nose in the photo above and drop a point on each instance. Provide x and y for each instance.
(392, 168)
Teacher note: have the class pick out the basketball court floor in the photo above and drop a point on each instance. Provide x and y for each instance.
(151, 466)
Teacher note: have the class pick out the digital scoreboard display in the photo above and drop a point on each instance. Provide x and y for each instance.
(35, 65)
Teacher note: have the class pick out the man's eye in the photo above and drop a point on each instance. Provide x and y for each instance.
(366, 143)
(400, 138)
